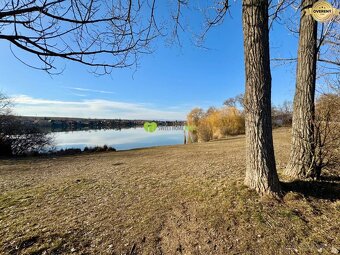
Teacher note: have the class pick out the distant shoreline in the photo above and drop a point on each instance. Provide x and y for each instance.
(59, 124)
(80, 118)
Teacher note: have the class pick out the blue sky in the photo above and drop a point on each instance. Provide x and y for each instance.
(166, 84)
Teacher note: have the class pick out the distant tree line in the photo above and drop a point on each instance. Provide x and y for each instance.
(69, 124)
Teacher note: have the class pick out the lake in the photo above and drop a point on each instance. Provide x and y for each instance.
(123, 139)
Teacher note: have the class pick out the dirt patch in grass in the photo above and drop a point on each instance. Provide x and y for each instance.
(186, 199)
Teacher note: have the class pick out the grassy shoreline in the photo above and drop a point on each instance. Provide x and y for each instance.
(179, 199)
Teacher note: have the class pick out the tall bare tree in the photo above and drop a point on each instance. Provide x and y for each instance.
(318, 59)
(301, 163)
(261, 172)
(102, 34)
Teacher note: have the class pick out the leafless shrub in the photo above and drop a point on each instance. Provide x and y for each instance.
(282, 114)
(237, 101)
(327, 133)
(18, 138)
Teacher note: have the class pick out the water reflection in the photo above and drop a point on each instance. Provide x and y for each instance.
(123, 139)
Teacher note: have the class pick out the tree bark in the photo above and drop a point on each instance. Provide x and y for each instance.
(300, 163)
(261, 172)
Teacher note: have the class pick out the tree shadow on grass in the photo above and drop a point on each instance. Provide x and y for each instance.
(328, 187)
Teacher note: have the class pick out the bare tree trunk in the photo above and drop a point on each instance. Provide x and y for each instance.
(300, 163)
(261, 172)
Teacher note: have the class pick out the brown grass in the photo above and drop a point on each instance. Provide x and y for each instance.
(187, 199)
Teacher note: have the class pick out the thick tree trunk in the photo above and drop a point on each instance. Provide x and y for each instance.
(300, 163)
(261, 172)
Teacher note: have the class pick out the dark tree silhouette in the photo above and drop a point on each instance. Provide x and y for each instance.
(17, 138)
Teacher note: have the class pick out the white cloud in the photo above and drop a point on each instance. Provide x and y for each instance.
(94, 108)
(79, 95)
(90, 90)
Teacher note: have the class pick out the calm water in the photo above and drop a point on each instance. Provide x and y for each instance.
(123, 139)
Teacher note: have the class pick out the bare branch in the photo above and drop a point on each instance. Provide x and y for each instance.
(101, 34)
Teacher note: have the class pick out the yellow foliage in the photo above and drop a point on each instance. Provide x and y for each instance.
(194, 116)
(214, 119)
(205, 130)
(216, 123)
(233, 122)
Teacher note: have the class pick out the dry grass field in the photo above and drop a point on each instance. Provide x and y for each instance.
(186, 199)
